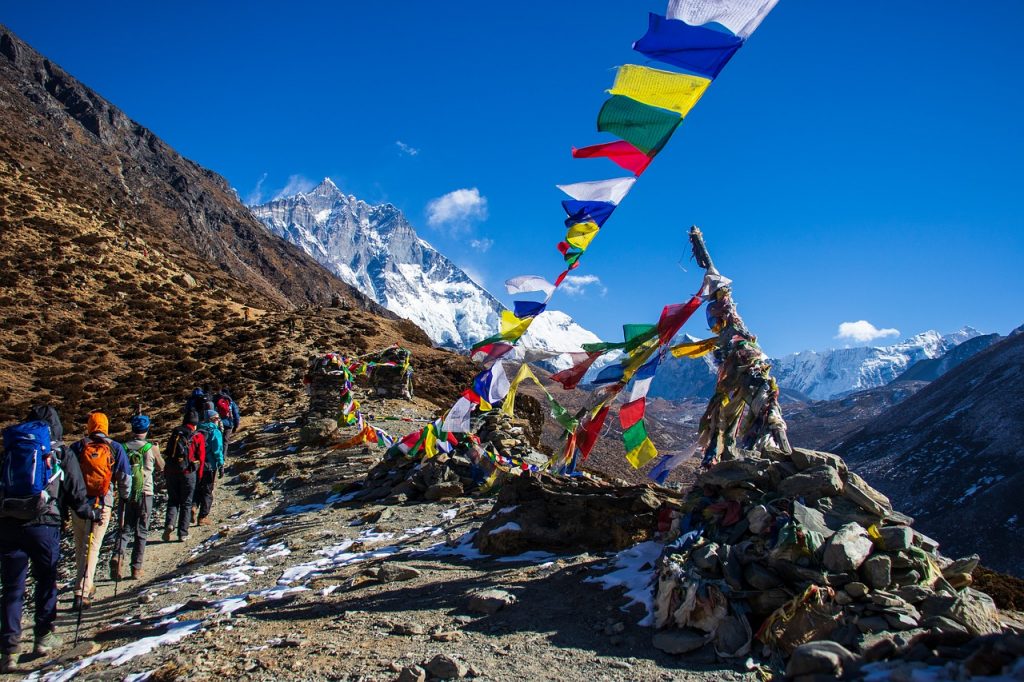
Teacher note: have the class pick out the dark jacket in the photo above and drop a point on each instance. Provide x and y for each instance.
(122, 477)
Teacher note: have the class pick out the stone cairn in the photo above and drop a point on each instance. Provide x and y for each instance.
(508, 437)
(392, 381)
(325, 384)
(800, 554)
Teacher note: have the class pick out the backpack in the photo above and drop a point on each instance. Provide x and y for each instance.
(179, 449)
(214, 444)
(223, 405)
(26, 470)
(97, 462)
(137, 458)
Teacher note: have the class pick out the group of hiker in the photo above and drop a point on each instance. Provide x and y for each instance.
(94, 481)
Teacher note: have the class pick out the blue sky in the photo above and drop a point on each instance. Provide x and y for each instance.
(854, 161)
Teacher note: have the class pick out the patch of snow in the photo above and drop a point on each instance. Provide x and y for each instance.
(633, 569)
(532, 557)
(510, 527)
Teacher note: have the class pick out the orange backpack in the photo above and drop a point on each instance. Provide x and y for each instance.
(97, 462)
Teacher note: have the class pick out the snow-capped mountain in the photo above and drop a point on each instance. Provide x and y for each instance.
(820, 375)
(376, 250)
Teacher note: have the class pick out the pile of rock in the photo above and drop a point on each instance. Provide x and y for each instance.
(508, 437)
(325, 383)
(397, 480)
(392, 381)
(543, 512)
(798, 549)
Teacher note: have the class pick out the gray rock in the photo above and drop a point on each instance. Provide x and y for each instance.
(407, 629)
(877, 571)
(490, 601)
(977, 612)
(445, 490)
(914, 594)
(679, 641)
(759, 519)
(847, 549)
(811, 519)
(818, 481)
(320, 432)
(962, 565)
(856, 590)
(821, 658)
(858, 491)
(843, 598)
(805, 459)
(896, 537)
(872, 624)
(445, 667)
(391, 573)
(412, 673)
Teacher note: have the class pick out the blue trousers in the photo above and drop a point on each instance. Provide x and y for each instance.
(20, 545)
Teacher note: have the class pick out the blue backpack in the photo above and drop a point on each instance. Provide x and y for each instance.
(25, 470)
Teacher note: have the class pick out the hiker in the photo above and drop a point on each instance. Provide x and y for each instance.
(213, 463)
(195, 402)
(137, 511)
(245, 313)
(186, 454)
(103, 463)
(34, 482)
(291, 326)
(227, 410)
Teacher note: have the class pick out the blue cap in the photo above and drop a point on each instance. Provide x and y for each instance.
(211, 414)
(140, 423)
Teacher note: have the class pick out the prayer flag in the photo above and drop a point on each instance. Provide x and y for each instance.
(642, 453)
(499, 386)
(589, 434)
(527, 283)
(674, 316)
(489, 352)
(610, 191)
(694, 349)
(634, 435)
(676, 92)
(636, 335)
(666, 463)
(587, 211)
(695, 48)
(524, 309)
(632, 412)
(457, 420)
(512, 327)
(622, 153)
(609, 375)
(571, 377)
(645, 127)
(741, 17)
(581, 234)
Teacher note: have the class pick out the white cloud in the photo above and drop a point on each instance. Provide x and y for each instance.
(296, 184)
(863, 331)
(575, 285)
(481, 245)
(406, 149)
(457, 210)
(256, 195)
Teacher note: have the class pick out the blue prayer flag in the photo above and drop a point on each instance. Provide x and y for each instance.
(524, 309)
(609, 375)
(701, 50)
(587, 211)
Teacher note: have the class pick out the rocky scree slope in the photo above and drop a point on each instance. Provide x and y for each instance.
(951, 456)
(377, 250)
(124, 267)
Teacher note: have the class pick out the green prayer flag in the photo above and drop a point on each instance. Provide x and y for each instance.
(637, 334)
(645, 127)
(634, 435)
(602, 346)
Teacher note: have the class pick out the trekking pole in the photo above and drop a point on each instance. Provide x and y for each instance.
(120, 544)
(81, 586)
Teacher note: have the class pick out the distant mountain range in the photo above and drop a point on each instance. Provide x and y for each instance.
(833, 373)
(376, 250)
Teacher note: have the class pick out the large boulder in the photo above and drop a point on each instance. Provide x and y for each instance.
(847, 549)
(818, 481)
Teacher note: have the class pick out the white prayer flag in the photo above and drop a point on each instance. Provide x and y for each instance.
(457, 420)
(610, 191)
(499, 384)
(527, 283)
(739, 16)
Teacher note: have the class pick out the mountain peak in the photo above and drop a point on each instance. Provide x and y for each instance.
(326, 188)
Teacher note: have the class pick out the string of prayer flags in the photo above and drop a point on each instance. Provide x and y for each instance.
(694, 349)
(526, 283)
(676, 92)
(742, 17)
(620, 152)
(645, 127)
(694, 48)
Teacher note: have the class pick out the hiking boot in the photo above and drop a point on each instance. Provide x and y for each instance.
(205, 521)
(7, 664)
(137, 574)
(115, 568)
(167, 534)
(80, 603)
(182, 537)
(47, 643)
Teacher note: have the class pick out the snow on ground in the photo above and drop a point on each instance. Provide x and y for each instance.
(634, 570)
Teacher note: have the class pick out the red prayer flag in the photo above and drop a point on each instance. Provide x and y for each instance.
(621, 152)
(570, 377)
(632, 412)
(587, 436)
(561, 277)
(674, 316)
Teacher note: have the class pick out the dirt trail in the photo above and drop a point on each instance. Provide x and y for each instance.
(298, 583)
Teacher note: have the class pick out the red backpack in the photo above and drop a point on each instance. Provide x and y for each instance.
(223, 406)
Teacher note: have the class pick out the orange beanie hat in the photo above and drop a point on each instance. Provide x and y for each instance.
(98, 422)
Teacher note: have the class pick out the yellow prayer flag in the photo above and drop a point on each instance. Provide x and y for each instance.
(677, 92)
(642, 454)
(512, 327)
(694, 349)
(581, 234)
(508, 405)
(429, 444)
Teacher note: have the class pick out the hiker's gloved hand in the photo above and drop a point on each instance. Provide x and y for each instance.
(96, 514)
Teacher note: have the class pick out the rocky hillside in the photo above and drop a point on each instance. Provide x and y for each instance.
(951, 455)
(124, 267)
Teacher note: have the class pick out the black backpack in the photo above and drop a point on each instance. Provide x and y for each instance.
(179, 449)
